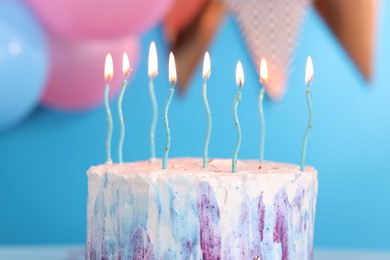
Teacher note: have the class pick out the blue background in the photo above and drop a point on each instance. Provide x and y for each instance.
(43, 186)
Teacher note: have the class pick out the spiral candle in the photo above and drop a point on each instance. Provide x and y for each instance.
(240, 83)
(126, 71)
(308, 79)
(172, 80)
(263, 81)
(206, 75)
(153, 72)
(108, 74)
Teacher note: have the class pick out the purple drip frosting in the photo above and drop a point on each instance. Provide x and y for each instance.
(281, 206)
(141, 246)
(258, 216)
(245, 232)
(208, 214)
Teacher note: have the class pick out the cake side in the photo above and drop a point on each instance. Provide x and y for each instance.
(138, 211)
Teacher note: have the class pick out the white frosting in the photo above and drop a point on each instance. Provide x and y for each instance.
(187, 212)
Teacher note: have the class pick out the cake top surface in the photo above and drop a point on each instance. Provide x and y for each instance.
(219, 167)
(184, 173)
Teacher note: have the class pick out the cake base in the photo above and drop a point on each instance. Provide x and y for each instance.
(138, 211)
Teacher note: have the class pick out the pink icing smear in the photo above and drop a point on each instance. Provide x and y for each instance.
(195, 165)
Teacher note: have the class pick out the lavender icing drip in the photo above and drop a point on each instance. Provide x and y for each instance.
(141, 246)
(258, 215)
(208, 212)
(244, 232)
(281, 231)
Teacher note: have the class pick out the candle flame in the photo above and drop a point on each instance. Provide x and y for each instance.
(125, 64)
(108, 68)
(309, 70)
(263, 71)
(206, 66)
(152, 63)
(239, 74)
(172, 68)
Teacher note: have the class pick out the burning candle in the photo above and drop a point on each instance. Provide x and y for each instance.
(308, 79)
(206, 75)
(172, 80)
(108, 74)
(126, 71)
(153, 72)
(240, 83)
(263, 81)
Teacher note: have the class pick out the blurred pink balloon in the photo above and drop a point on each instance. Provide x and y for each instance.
(76, 78)
(99, 18)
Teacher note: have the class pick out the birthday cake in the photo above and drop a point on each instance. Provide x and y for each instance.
(138, 211)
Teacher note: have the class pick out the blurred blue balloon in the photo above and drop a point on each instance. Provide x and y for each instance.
(23, 62)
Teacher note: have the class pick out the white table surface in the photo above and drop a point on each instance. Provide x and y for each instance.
(76, 252)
